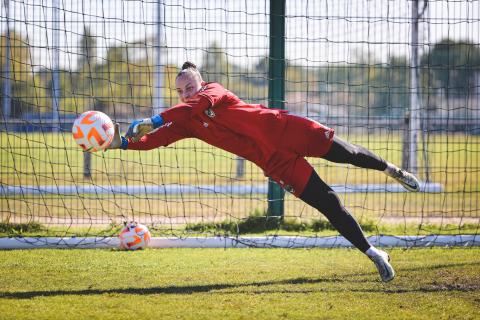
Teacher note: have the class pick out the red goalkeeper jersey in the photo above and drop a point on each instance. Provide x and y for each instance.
(271, 138)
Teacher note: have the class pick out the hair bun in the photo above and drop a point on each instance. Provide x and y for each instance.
(188, 65)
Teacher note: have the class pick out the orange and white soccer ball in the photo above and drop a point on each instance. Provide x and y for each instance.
(134, 236)
(93, 131)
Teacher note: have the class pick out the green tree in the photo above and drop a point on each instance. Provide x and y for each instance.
(454, 65)
(390, 85)
(26, 94)
(215, 66)
(84, 79)
(88, 50)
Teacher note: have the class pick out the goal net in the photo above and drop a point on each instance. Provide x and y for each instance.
(400, 78)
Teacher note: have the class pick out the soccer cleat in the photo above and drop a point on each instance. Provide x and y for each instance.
(406, 179)
(383, 266)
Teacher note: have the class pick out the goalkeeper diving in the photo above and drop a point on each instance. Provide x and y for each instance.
(273, 139)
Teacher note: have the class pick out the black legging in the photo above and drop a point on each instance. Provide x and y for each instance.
(320, 196)
(345, 152)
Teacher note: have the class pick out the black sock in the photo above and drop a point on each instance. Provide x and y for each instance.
(320, 196)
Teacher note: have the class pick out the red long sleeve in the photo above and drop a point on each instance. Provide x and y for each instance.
(175, 128)
(161, 137)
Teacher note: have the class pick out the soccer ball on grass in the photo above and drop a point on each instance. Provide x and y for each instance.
(134, 236)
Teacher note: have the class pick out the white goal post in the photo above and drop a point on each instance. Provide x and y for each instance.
(241, 242)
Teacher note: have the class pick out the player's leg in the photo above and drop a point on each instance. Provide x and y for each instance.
(344, 152)
(309, 138)
(320, 196)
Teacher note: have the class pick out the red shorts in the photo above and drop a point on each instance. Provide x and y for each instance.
(302, 137)
(305, 137)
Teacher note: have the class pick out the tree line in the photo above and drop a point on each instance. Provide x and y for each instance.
(121, 83)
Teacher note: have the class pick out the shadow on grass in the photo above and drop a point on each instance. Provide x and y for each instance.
(190, 289)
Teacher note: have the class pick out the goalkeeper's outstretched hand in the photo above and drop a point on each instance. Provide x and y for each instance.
(117, 140)
(139, 128)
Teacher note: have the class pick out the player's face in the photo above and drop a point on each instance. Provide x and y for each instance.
(187, 86)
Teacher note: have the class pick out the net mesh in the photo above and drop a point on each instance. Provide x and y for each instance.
(348, 66)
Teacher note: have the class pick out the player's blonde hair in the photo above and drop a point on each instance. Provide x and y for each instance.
(190, 69)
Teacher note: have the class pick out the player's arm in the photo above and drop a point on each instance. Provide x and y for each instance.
(160, 137)
(159, 130)
(135, 132)
(141, 127)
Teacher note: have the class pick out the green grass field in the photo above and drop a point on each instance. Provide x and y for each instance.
(50, 158)
(54, 159)
(233, 283)
(237, 284)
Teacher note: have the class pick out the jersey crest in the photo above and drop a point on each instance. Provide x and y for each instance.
(209, 113)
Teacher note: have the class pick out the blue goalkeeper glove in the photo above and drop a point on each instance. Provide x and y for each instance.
(139, 128)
